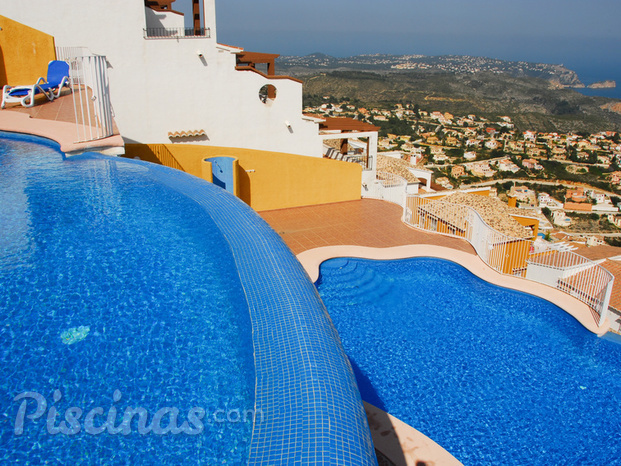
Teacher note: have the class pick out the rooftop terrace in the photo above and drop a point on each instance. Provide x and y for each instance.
(367, 222)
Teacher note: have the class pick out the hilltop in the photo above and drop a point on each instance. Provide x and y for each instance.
(536, 96)
(532, 103)
(458, 64)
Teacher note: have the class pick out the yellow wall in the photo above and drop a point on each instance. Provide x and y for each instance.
(483, 192)
(528, 222)
(24, 53)
(512, 256)
(437, 197)
(265, 180)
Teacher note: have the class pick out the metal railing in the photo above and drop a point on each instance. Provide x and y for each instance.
(176, 33)
(387, 187)
(361, 159)
(88, 76)
(520, 257)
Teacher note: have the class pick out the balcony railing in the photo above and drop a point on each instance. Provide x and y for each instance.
(537, 261)
(176, 33)
(387, 187)
(88, 76)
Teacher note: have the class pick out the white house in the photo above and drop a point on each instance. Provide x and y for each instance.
(506, 165)
(599, 198)
(440, 157)
(545, 200)
(559, 218)
(492, 144)
(167, 78)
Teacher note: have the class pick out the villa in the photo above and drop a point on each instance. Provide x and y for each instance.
(155, 106)
(506, 165)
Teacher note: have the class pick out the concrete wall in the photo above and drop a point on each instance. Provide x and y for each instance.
(159, 86)
(24, 53)
(266, 180)
(164, 19)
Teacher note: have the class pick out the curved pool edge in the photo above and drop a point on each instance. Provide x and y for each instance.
(401, 443)
(62, 132)
(312, 408)
(308, 406)
(312, 259)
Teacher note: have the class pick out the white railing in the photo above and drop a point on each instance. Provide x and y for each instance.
(387, 187)
(91, 93)
(532, 260)
(176, 33)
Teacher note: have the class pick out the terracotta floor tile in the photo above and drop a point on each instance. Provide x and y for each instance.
(366, 222)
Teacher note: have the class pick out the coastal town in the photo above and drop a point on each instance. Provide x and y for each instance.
(458, 64)
(572, 181)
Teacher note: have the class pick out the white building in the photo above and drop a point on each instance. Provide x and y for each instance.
(559, 218)
(599, 198)
(440, 157)
(545, 200)
(167, 78)
(492, 144)
(506, 165)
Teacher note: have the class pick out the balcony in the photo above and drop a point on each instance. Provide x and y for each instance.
(176, 33)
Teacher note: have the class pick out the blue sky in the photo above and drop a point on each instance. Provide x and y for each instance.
(580, 34)
(532, 30)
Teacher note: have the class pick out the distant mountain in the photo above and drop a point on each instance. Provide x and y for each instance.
(456, 64)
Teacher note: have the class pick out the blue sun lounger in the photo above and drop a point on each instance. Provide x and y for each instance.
(57, 78)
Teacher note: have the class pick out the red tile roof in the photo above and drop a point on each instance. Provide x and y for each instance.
(581, 206)
(614, 267)
(596, 253)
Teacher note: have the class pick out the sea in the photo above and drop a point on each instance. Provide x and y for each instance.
(591, 73)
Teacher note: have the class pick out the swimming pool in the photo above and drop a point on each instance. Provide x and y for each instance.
(90, 244)
(494, 376)
(130, 286)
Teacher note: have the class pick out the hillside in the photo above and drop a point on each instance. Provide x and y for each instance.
(459, 64)
(532, 103)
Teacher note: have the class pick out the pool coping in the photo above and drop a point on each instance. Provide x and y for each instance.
(401, 443)
(311, 260)
(305, 388)
(62, 132)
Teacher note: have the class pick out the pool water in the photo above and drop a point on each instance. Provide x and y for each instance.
(118, 292)
(493, 375)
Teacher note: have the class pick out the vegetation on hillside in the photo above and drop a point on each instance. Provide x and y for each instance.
(532, 104)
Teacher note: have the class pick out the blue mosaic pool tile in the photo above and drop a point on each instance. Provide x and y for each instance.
(305, 387)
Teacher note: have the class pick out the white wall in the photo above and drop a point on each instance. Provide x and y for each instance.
(541, 274)
(163, 19)
(424, 174)
(162, 85)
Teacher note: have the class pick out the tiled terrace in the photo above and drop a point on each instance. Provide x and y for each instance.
(365, 222)
(61, 109)
(377, 224)
(54, 120)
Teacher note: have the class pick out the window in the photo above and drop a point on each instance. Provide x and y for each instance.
(267, 94)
